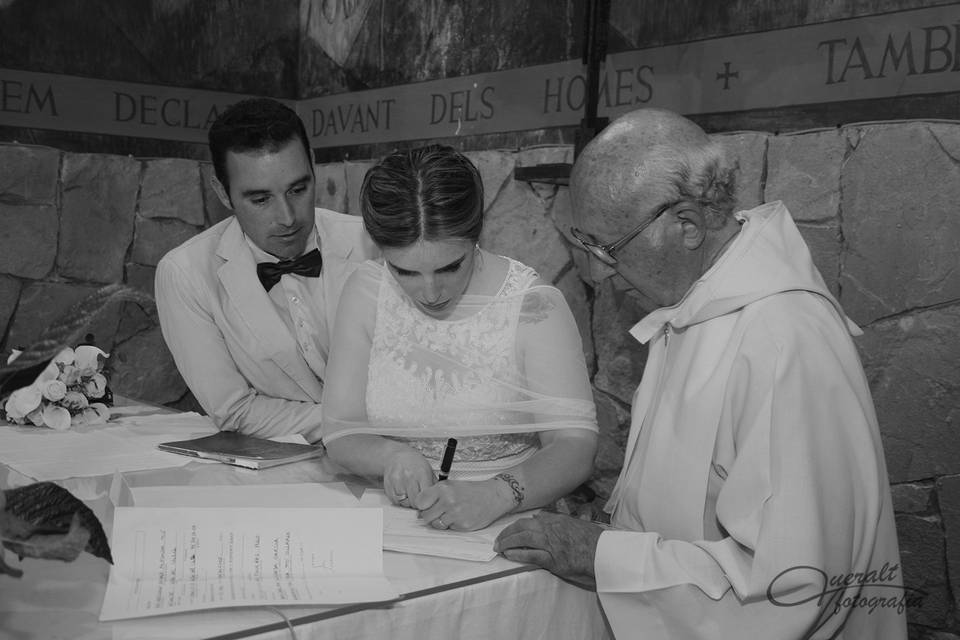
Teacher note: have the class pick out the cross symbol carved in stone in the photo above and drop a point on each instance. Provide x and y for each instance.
(726, 75)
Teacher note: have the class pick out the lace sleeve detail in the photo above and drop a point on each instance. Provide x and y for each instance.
(519, 278)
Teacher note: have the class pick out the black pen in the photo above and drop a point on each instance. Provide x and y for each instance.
(448, 458)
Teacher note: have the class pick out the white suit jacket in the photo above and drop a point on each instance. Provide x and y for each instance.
(234, 351)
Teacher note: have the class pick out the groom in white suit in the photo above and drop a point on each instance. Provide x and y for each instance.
(247, 306)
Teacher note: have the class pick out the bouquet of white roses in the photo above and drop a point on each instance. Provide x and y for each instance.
(72, 390)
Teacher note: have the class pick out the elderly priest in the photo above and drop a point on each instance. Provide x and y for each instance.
(754, 500)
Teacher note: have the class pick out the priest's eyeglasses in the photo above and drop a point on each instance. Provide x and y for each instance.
(604, 252)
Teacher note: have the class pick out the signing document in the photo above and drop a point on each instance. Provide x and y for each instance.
(172, 559)
(406, 532)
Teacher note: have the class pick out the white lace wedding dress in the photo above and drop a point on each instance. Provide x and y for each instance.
(450, 388)
(496, 372)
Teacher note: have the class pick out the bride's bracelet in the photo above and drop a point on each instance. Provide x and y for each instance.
(514, 485)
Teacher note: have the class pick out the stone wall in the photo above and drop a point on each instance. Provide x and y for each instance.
(876, 203)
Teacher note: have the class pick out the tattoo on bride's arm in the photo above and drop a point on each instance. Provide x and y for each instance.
(514, 485)
(536, 308)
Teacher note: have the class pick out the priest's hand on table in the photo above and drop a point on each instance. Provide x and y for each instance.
(561, 544)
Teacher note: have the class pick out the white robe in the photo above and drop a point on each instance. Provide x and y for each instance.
(754, 482)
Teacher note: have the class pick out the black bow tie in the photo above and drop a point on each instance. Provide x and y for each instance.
(308, 264)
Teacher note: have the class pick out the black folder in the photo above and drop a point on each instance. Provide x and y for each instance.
(241, 450)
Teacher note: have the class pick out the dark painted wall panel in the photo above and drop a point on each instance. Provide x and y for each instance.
(308, 48)
(651, 23)
(246, 47)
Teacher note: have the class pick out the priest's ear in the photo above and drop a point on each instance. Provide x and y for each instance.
(693, 225)
(221, 192)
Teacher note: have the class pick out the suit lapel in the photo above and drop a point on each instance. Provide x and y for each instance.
(256, 310)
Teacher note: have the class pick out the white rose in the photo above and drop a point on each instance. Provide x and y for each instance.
(66, 356)
(96, 413)
(56, 417)
(96, 386)
(70, 375)
(54, 390)
(22, 401)
(36, 417)
(88, 358)
(74, 400)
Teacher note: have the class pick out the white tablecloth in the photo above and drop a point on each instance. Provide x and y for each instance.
(446, 598)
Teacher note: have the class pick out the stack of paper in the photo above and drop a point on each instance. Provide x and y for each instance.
(175, 551)
(170, 559)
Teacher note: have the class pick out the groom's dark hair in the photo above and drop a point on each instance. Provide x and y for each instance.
(251, 125)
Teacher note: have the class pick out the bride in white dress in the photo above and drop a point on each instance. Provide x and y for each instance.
(444, 339)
